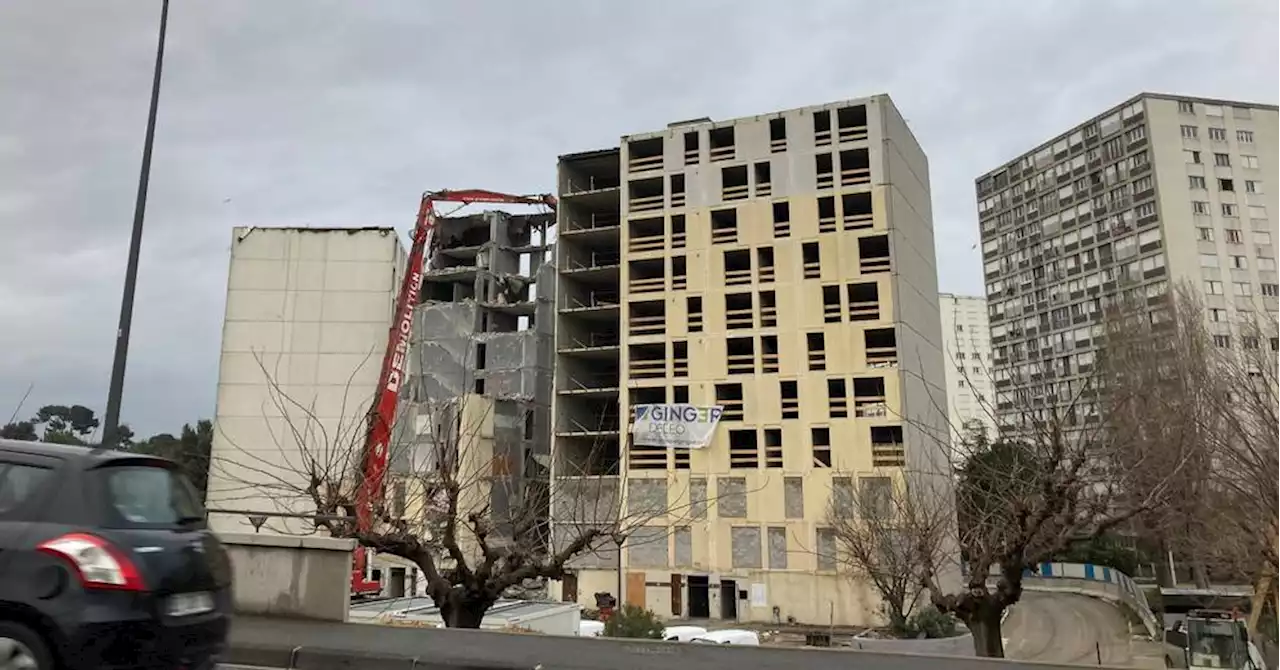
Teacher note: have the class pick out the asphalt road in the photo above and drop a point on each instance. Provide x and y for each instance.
(1067, 628)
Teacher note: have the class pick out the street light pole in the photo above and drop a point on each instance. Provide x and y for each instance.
(112, 424)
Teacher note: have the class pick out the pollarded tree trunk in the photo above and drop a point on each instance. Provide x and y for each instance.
(983, 621)
(462, 608)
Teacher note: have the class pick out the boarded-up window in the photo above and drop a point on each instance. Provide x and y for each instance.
(826, 549)
(731, 497)
(777, 548)
(684, 546)
(842, 496)
(647, 496)
(647, 547)
(877, 496)
(744, 543)
(698, 498)
(793, 497)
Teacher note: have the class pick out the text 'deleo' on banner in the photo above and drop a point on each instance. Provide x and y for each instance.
(674, 426)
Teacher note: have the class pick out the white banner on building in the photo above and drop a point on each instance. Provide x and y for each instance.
(674, 426)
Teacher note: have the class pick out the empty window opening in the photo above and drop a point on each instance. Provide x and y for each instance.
(693, 306)
(679, 273)
(743, 450)
(781, 219)
(481, 351)
(680, 358)
(721, 143)
(855, 167)
(873, 254)
(886, 447)
(816, 343)
(647, 395)
(822, 128)
(764, 180)
(644, 235)
(831, 304)
(733, 183)
(777, 135)
(852, 122)
(647, 318)
(644, 155)
(773, 447)
(881, 347)
(644, 194)
(868, 397)
(680, 394)
(678, 234)
(820, 438)
(737, 267)
(724, 226)
(479, 386)
(789, 390)
(589, 456)
(768, 309)
(528, 425)
(646, 276)
(729, 396)
(864, 301)
(677, 190)
(837, 398)
(856, 211)
(646, 361)
(741, 356)
(827, 214)
(737, 311)
(764, 263)
(691, 148)
(1226, 185)
(811, 260)
(769, 354)
(824, 165)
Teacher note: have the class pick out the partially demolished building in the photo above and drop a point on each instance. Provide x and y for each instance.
(482, 359)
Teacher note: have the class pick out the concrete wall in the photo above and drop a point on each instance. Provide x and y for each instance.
(960, 645)
(321, 646)
(307, 317)
(281, 575)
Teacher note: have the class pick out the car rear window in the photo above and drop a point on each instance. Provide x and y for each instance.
(148, 495)
(18, 483)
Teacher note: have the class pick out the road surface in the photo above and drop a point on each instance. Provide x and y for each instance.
(1068, 628)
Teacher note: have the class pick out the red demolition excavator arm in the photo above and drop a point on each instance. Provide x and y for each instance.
(394, 366)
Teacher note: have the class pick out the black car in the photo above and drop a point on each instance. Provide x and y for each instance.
(106, 562)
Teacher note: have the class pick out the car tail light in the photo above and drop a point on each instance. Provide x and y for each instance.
(98, 563)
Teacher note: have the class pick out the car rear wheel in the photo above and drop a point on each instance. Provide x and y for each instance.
(22, 649)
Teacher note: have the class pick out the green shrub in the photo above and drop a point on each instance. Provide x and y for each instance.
(930, 623)
(633, 622)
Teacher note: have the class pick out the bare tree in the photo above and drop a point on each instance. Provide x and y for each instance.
(890, 533)
(480, 520)
(1057, 471)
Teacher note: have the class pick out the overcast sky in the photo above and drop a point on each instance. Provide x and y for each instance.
(329, 113)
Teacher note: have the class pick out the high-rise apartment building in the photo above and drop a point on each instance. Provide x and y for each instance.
(782, 267)
(966, 348)
(1160, 190)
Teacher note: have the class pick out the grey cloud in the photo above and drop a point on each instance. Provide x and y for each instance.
(311, 112)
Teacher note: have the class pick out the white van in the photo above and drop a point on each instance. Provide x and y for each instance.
(590, 628)
(682, 633)
(733, 636)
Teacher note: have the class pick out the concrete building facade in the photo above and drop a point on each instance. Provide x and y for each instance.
(480, 369)
(966, 338)
(1159, 190)
(780, 266)
(307, 319)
